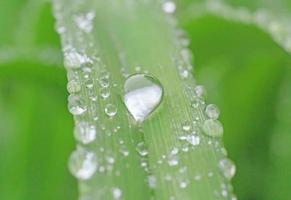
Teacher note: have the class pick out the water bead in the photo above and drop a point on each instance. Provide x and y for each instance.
(169, 7)
(143, 94)
(116, 193)
(200, 91)
(110, 110)
(73, 86)
(85, 132)
(141, 149)
(82, 164)
(212, 111)
(227, 168)
(76, 105)
(212, 128)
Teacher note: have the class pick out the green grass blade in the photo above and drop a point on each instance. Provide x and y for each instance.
(134, 36)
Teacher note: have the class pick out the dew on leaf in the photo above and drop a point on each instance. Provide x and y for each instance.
(169, 7)
(76, 105)
(143, 94)
(116, 193)
(82, 164)
(73, 86)
(227, 168)
(141, 149)
(212, 111)
(110, 110)
(212, 128)
(85, 132)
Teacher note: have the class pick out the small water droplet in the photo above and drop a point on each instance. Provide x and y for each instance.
(74, 59)
(104, 82)
(169, 7)
(212, 111)
(116, 193)
(143, 94)
(104, 92)
(152, 181)
(141, 149)
(123, 150)
(85, 132)
(200, 91)
(212, 128)
(85, 21)
(82, 164)
(73, 86)
(110, 110)
(227, 168)
(76, 105)
(173, 160)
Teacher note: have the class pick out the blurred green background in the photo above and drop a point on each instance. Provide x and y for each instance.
(245, 72)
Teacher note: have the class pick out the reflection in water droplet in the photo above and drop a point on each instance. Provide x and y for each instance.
(227, 168)
(212, 128)
(110, 110)
(82, 164)
(143, 94)
(85, 132)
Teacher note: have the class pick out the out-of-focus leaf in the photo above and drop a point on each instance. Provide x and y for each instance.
(242, 68)
(35, 127)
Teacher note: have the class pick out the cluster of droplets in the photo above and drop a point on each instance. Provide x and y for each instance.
(205, 126)
(275, 24)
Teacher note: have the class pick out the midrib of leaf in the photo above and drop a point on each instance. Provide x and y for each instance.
(145, 36)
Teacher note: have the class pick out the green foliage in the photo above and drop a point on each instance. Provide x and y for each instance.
(245, 72)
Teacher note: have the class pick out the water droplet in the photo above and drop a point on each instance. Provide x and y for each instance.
(123, 150)
(85, 21)
(169, 7)
(82, 164)
(104, 82)
(152, 181)
(89, 83)
(85, 132)
(104, 92)
(200, 91)
(116, 193)
(73, 86)
(141, 149)
(74, 59)
(76, 105)
(110, 110)
(212, 128)
(186, 126)
(212, 111)
(143, 94)
(227, 168)
(173, 160)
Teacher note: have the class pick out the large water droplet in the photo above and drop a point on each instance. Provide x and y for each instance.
(212, 128)
(227, 168)
(143, 94)
(85, 132)
(82, 164)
